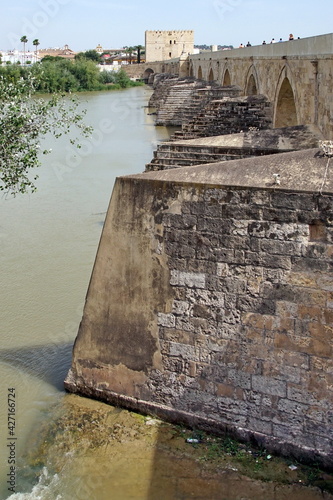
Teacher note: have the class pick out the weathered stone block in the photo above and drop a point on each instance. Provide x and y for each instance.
(293, 407)
(167, 320)
(239, 379)
(191, 280)
(183, 351)
(268, 385)
(260, 425)
(293, 201)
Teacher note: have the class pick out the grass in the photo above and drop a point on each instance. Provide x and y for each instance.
(256, 463)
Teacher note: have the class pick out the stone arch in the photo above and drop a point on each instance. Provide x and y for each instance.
(199, 73)
(147, 74)
(211, 75)
(252, 82)
(251, 87)
(226, 78)
(285, 112)
(191, 71)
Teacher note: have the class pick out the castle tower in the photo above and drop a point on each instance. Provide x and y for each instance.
(164, 45)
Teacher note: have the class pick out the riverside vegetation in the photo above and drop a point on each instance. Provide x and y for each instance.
(25, 119)
(56, 74)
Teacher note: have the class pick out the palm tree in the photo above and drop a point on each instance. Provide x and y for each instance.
(36, 43)
(130, 50)
(24, 40)
(126, 52)
(139, 49)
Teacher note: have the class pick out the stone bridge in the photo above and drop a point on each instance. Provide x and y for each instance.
(296, 76)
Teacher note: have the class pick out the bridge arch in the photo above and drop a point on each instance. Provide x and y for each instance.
(199, 73)
(226, 80)
(211, 75)
(252, 82)
(285, 108)
(147, 74)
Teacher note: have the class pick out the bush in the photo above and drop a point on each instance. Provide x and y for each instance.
(55, 74)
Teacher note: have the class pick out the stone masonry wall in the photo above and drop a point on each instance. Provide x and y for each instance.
(248, 340)
(207, 109)
(228, 116)
(213, 305)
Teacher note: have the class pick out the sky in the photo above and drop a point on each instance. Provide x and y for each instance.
(83, 24)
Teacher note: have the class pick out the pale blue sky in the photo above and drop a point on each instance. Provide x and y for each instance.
(82, 24)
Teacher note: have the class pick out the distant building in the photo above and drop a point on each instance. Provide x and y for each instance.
(65, 52)
(112, 52)
(19, 56)
(119, 56)
(164, 45)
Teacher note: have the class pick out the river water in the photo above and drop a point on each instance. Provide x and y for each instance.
(65, 447)
(48, 242)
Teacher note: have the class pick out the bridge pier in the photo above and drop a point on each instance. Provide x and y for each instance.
(210, 302)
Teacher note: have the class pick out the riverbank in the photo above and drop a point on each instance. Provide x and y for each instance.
(57, 75)
(139, 457)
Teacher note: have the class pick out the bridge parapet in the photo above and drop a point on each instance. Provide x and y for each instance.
(316, 46)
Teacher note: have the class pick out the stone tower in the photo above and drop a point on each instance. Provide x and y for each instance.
(164, 45)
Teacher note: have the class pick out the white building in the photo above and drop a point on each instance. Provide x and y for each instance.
(14, 56)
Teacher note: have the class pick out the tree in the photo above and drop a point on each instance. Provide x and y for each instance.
(52, 58)
(92, 55)
(130, 50)
(122, 79)
(126, 51)
(139, 50)
(36, 43)
(24, 40)
(23, 122)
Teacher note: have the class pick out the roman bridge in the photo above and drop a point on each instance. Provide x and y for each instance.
(296, 76)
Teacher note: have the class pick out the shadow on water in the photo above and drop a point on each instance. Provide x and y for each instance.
(49, 363)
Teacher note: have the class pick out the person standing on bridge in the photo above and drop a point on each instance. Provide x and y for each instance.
(291, 36)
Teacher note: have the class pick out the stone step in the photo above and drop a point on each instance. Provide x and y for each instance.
(189, 151)
(181, 161)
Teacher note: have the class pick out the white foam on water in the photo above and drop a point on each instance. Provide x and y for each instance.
(46, 489)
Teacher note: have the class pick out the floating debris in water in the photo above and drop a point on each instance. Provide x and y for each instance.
(152, 421)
